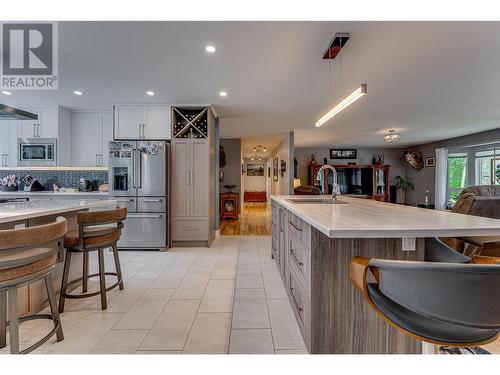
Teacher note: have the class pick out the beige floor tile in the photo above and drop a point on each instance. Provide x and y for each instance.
(193, 285)
(224, 273)
(251, 341)
(209, 334)
(291, 351)
(286, 332)
(273, 285)
(85, 335)
(143, 314)
(172, 327)
(250, 309)
(158, 352)
(126, 298)
(249, 281)
(120, 342)
(218, 296)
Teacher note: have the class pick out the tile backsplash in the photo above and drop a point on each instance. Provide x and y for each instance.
(67, 179)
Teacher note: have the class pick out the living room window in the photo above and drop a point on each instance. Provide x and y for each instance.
(457, 175)
(488, 167)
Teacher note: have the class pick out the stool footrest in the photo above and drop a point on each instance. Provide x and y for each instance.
(91, 294)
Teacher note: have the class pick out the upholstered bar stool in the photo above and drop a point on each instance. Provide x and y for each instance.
(97, 231)
(28, 255)
(448, 304)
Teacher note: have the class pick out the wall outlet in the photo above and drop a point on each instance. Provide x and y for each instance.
(409, 244)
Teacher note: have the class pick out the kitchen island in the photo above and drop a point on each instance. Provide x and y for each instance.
(312, 244)
(32, 298)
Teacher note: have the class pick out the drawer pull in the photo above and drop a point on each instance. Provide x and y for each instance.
(295, 258)
(296, 227)
(189, 228)
(300, 309)
(153, 200)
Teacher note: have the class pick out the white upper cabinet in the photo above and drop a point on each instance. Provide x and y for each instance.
(46, 126)
(91, 132)
(142, 122)
(8, 143)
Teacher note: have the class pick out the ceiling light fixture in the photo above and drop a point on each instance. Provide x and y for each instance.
(358, 93)
(391, 136)
(79, 93)
(6, 93)
(210, 49)
(150, 93)
(223, 93)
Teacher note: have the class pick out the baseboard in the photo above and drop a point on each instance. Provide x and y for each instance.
(190, 244)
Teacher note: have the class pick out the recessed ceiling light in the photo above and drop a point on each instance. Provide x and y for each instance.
(223, 93)
(6, 93)
(150, 93)
(79, 93)
(210, 49)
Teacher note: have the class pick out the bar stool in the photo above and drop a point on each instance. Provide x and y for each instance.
(28, 255)
(94, 233)
(448, 304)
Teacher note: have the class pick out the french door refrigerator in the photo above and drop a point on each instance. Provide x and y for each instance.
(138, 179)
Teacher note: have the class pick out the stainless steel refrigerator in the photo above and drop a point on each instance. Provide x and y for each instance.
(138, 180)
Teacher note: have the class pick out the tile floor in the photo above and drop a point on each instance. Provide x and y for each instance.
(226, 299)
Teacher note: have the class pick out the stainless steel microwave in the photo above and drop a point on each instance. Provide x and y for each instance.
(37, 151)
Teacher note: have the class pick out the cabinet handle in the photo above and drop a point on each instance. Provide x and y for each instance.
(38, 130)
(294, 256)
(153, 200)
(34, 130)
(125, 200)
(300, 309)
(296, 227)
(188, 178)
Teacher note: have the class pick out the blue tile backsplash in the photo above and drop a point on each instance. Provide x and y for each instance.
(67, 179)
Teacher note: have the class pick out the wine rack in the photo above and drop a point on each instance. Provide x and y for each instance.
(190, 123)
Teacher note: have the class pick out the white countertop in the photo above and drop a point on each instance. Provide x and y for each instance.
(10, 212)
(52, 193)
(367, 218)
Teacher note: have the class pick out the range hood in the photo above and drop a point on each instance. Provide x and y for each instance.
(11, 113)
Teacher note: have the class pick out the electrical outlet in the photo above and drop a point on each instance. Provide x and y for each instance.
(408, 244)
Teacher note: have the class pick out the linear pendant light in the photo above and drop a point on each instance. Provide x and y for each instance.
(358, 93)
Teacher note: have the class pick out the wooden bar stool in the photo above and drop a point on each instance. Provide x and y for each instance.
(28, 255)
(94, 232)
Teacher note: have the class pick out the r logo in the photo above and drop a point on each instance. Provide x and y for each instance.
(27, 49)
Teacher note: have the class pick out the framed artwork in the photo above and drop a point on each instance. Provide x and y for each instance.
(343, 153)
(430, 161)
(275, 169)
(255, 169)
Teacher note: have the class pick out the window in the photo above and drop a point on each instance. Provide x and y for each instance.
(457, 175)
(488, 167)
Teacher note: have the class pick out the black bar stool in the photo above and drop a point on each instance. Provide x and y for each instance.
(28, 255)
(448, 304)
(95, 233)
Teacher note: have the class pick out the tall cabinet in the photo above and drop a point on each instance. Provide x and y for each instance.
(193, 176)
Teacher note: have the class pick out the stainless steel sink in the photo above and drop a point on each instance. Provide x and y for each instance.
(315, 201)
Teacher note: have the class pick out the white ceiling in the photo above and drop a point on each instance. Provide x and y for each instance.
(427, 80)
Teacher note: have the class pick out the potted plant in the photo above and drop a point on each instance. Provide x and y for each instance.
(402, 185)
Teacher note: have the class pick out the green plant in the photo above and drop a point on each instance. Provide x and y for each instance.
(403, 183)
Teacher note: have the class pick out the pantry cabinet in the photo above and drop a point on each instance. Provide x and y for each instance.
(142, 122)
(8, 143)
(90, 133)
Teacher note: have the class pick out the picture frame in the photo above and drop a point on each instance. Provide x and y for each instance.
(275, 169)
(343, 153)
(430, 161)
(255, 170)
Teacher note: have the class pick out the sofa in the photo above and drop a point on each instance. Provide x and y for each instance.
(479, 201)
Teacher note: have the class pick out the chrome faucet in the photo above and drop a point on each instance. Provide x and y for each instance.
(335, 187)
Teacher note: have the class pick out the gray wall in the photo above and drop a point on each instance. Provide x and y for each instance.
(284, 151)
(424, 179)
(392, 157)
(232, 170)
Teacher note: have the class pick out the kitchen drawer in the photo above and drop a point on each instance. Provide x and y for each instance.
(151, 204)
(144, 231)
(299, 228)
(189, 229)
(128, 202)
(298, 299)
(298, 257)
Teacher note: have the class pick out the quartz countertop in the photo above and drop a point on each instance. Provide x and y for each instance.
(52, 193)
(10, 212)
(367, 218)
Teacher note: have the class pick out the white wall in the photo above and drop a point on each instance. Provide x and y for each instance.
(255, 183)
(284, 151)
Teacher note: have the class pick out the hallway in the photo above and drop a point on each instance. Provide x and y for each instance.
(255, 219)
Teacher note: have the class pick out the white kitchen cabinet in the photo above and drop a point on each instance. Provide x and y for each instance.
(142, 122)
(46, 126)
(8, 143)
(91, 132)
